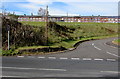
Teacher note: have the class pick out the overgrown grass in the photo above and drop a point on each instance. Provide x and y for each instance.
(71, 24)
(39, 24)
(83, 31)
(34, 47)
(117, 41)
(71, 43)
(0, 52)
(66, 44)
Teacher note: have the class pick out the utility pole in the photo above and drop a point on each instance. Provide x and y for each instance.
(67, 16)
(8, 28)
(8, 40)
(46, 27)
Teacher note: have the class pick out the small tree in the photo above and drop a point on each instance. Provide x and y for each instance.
(12, 16)
(41, 12)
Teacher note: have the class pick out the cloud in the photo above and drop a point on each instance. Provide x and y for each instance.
(49, 1)
(41, 2)
(33, 8)
(55, 11)
(82, 7)
(88, 0)
(17, 12)
(28, 8)
(94, 8)
(28, 5)
(13, 0)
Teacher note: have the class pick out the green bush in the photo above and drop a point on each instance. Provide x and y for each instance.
(7, 52)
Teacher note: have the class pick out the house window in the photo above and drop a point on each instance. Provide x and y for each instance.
(112, 19)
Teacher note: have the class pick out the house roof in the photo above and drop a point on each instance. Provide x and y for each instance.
(68, 16)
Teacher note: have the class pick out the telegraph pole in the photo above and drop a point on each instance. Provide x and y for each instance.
(8, 28)
(8, 40)
(46, 27)
(67, 16)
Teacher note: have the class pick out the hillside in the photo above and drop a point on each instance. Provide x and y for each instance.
(60, 34)
(28, 35)
(21, 35)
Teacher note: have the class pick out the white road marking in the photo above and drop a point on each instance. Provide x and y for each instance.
(115, 72)
(93, 44)
(41, 57)
(75, 58)
(114, 39)
(110, 46)
(112, 54)
(63, 58)
(97, 48)
(52, 57)
(20, 56)
(35, 69)
(98, 59)
(31, 57)
(111, 59)
(87, 59)
(15, 76)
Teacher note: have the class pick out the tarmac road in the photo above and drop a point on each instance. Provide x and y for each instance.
(92, 49)
(89, 59)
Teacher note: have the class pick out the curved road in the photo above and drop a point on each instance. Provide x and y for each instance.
(89, 59)
(97, 49)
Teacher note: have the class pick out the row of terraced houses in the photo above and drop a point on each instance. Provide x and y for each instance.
(98, 19)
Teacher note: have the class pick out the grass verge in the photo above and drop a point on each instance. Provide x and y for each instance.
(70, 44)
(116, 41)
(0, 52)
(67, 44)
